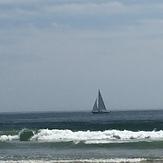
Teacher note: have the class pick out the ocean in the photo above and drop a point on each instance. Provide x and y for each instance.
(120, 136)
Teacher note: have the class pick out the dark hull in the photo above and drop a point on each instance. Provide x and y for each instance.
(100, 112)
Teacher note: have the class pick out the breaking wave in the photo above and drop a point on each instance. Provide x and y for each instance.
(4, 138)
(96, 137)
(86, 137)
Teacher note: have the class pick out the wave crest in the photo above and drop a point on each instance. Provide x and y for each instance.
(4, 138)
(96, 137)
(86, 137)
(116, 160)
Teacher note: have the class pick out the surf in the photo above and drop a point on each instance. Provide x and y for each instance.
(86, 137)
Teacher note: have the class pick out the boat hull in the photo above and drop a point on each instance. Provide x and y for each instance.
(100, 112)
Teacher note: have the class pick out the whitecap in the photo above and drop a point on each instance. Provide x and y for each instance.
(4, 138)
(111, 160)
(96, 137)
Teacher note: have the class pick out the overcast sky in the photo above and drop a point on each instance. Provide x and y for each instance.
(55, 54)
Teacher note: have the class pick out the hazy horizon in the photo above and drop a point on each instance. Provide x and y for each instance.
(57, 54)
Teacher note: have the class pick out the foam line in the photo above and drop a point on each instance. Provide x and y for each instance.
(95, 137)
(89, 137)
(115, 160)
(4, 138)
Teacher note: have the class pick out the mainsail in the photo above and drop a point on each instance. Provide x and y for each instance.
(99, 106)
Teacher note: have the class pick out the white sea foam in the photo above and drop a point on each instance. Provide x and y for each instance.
(90, 137)
(96, 137)
(115, 160)
(4, 138)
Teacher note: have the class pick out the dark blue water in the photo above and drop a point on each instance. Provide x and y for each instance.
(81, 135)
(129, 120)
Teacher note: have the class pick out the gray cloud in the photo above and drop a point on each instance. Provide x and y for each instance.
(76, 14)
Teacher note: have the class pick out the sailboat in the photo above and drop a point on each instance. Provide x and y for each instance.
(99, 106)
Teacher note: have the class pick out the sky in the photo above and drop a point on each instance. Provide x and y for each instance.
(55, 54)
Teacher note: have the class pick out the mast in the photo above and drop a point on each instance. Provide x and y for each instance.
(101, 105)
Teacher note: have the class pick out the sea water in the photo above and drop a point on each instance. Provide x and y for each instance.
(118, 136)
